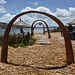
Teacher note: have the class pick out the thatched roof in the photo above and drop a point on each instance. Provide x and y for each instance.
(71, 23)
(21, 23)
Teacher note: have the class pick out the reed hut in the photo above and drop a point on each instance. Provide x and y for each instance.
(21, 23)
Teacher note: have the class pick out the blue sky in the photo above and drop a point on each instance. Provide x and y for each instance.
(13, 5)
(62, 9)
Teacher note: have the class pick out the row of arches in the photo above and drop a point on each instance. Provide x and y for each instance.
(68, 45)
(32, 30)
(33, 26)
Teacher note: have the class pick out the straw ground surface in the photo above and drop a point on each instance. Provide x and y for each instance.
(39, 59)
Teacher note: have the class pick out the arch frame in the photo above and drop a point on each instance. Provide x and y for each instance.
(44, 23)
(68, 45)
(32, 31)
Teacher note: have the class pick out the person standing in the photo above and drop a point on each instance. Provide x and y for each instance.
(21, 30)
(70, 28)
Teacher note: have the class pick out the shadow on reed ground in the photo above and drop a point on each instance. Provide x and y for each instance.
(49, 68)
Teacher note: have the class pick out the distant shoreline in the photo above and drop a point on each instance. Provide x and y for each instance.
(35, 27)
(36, 30)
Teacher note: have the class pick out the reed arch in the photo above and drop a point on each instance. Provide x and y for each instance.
(32, 28)
(68, 45)
(32, 31)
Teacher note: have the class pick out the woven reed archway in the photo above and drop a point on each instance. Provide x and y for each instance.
(68, 45)
(32, 28)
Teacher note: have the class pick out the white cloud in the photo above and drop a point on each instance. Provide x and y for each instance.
(6, 18)
(2, 9)
(36, 16)
(35, 4)
(62, 12)
(2, 1)
(64, 15)
(43, 9)
(72, 11)
(26, 9)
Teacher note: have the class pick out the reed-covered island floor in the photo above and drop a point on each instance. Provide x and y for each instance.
(39, 59)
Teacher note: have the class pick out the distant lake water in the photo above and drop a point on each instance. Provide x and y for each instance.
(36, 30)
